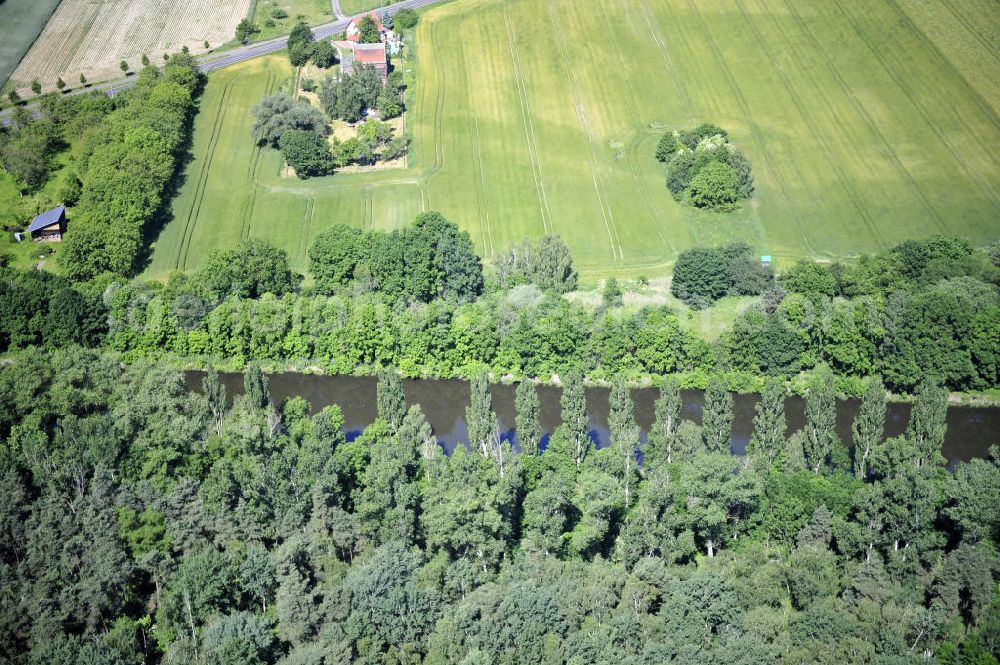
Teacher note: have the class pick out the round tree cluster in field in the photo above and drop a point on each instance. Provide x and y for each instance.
(704, 169)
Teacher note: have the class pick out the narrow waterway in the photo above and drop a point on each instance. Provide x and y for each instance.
(971, 430)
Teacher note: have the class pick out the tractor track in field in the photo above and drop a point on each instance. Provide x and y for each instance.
(661, 45)
(954, 73)
(482, 205)
(632, 108)
(529, 130)
(84, 31)
(632, 157)
(368, 208)
(863, 113)
(438, 110)
(305, 228)
(781, 185)
(845, 181)
(628, 155)
(970, 27)
(250, 202)
(581, 115)
(192, 217)
(911, 95)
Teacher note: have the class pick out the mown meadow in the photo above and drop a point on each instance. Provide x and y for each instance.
(866, 123)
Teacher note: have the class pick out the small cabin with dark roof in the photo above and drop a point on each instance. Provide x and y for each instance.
(50, 225)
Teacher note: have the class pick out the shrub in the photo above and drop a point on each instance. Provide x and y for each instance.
(405, 19)
(741, 165)
(692, 138)
(276, 114)
(701, 276)
(389, 104)
(307, 152)
(323, 54)
(716, 187)
(250, 269)
(667, 146)
(612, 294)
(279, 13)
(395, 148)
(810, 279)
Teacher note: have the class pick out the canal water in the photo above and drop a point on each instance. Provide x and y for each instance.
(971, 430)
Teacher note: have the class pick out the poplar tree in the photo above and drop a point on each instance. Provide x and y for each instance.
(389, 497)
(416, 433)
(390, 399)
(868, 427)
(255, 387)
(624, 438)
(769, 424)
(821, 422)
(928, 423)
(662, 446)
(574, 416)
(215, 395)
(528, 408)
(717, 417)
(479, 416)
(622, 409)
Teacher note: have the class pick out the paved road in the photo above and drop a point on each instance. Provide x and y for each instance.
(337, 11)
(213, 61)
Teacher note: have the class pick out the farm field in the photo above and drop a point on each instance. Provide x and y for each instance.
(867, 123)
(91, 37)
(20, 22)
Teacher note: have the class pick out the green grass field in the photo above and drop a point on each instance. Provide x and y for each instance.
(867, 123)
(313, 12)
(352, 7)
(21, 21)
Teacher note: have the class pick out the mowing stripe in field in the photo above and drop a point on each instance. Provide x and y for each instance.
(880, 52)
(847, 93)
(529, 129)
(835, 158)
(957, 31)
(192, 217)
(927, 160)
(581, 114)
(482, 206)
(955, 76)
(972, 26)
(819, 237)
(507, 181)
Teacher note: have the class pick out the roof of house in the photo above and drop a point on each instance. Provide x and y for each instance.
(47, 218)
(370, 54)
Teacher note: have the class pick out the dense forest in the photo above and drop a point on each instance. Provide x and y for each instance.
(142, 523)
